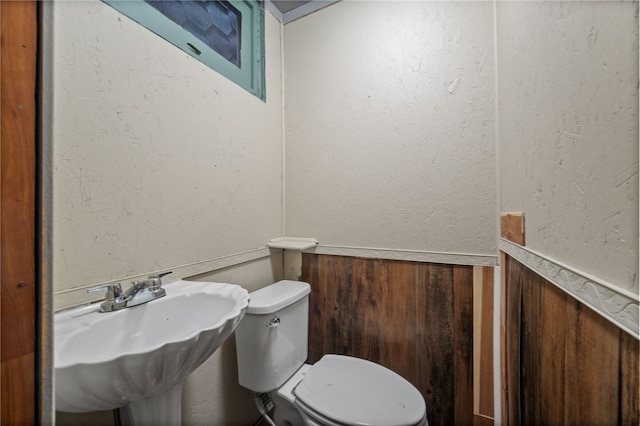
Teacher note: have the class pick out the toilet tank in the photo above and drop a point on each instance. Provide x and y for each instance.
(272, 337)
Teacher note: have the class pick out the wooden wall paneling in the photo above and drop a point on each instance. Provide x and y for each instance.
(592, 367)
(551, 339)
(328, 323)
(542, 346)
(463, 344)
(505, 368)
(18, 50)
(512, 290)
(483, 344)
(399, 334)
(529, 342)
(437, 361)
(401, 315)
(575, 366)
(629, 374)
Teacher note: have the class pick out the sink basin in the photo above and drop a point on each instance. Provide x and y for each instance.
(138, 357)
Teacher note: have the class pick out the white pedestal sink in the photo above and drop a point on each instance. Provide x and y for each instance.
(136, 359)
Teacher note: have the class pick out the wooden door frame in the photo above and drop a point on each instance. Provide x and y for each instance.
(26, 338)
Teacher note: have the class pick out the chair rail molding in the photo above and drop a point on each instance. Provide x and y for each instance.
(616, 304)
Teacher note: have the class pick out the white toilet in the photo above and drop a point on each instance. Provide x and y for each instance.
(336, 391)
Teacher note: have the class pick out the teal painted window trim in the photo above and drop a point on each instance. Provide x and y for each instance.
(250, 74)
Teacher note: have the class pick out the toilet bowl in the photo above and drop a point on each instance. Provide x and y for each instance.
(335, 391)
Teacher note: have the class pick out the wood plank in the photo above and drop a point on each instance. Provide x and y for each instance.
(505, 369)
(463, 344)
(551, 347)
(530, 365)
(485, 376)
(437, 358)
(512, 227)
(17, 155)
(544, 307)
(629, 374)
(511, 356)
(18, 391)
(591, 382)
(18, 52)
(477, 335)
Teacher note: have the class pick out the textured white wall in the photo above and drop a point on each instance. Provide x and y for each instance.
(389, 126)
(568, 131)
(158, 160)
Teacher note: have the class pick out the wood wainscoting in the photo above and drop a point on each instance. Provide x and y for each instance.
(414, 318)
(563, 363)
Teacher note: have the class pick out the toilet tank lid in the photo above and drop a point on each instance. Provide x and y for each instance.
(274, 297)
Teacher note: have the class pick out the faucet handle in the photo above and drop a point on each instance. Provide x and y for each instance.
(113, 291)
(156, 280)
(160, 275)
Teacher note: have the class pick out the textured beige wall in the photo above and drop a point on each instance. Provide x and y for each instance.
(159, 161)
(389, 126)
(568, 131)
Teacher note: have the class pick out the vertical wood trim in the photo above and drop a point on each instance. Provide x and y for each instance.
(513, 315)
(629, 375)
(512, 227)
(485, 376)
(18, 55)
(477, 335)
(463, 344)
(504, 370)
(483, 341)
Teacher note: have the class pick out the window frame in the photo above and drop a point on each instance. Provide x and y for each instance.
(250, 75)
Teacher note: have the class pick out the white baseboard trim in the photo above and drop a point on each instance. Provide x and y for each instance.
(409, 255)
(616, 304)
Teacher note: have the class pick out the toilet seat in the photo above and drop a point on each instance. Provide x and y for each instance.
(348, 391)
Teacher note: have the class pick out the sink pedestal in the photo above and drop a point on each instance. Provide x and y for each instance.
(164, 409)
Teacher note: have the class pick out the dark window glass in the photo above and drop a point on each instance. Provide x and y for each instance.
(216, 23)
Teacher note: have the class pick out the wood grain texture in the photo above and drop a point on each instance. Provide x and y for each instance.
(480, 420)
(18, 50)
(575, 366)
(18, 391)
(483, 342)
(413, 318)
(542, 306)
(512, 227)
(17, 192)
(629, 374)
(505, 336)
(512, 294)
(463, 344)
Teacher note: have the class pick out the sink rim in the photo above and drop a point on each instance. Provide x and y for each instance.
(90, 314)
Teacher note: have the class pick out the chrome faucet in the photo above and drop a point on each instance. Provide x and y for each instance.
(140, 292)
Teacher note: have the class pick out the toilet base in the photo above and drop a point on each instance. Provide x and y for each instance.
(286, 413)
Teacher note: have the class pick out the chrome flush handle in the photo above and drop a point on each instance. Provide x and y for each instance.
(275, 321)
